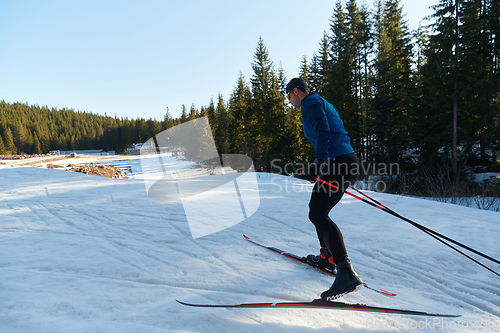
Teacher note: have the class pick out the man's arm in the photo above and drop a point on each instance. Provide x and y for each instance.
(318, 120)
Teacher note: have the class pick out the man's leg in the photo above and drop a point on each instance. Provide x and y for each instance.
(323, 199)
(329, 234)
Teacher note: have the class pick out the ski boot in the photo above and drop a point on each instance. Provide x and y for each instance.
(347, 281)
(324, 260)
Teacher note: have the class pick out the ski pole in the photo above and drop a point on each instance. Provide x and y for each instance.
(428, 231)
(390, 211)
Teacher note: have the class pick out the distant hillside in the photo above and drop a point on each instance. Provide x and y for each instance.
(36, 129)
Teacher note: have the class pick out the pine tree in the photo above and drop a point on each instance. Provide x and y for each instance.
(239, 109)
(423, 128)
(168, 121)
(349, 75)
(268, 107)
(37, 148)
(184, 115)
(313, 75)
(212, 118)
(366, 51)
(435, 118)
(394, 85)
(223, 121)
(340, 75)
(193, 113)
(3, 150)
(9, 142)
(203, 112)
(304, 70)
(493, 25)
(475, 65)
(20, 137)
(321, 71)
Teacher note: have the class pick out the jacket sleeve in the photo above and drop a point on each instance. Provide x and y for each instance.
(317, 118)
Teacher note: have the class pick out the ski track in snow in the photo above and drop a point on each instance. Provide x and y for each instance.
(81, 253)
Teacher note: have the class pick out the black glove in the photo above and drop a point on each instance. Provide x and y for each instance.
(313, 171)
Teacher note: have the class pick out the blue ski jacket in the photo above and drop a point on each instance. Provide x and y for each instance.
(324, 128)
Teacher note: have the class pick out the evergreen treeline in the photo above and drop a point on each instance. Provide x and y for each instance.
(430, 96)
(417, 98)
(422, 99)
(35, 129)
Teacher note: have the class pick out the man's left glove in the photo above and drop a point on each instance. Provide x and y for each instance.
(313, 171)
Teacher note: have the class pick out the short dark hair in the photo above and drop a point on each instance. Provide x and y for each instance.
(297, 82)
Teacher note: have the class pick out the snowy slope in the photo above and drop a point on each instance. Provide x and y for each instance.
(81, 253)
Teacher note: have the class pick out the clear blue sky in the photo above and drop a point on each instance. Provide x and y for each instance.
(135, 58)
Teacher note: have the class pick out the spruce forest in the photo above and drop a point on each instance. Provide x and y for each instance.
(426, 99)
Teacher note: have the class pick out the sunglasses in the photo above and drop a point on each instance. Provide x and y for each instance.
(288, 93)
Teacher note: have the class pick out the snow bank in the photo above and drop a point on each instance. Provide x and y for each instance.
(81, 253)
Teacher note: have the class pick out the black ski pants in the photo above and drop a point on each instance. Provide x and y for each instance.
(341, 171)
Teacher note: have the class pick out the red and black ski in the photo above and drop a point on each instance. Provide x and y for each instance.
(320, 304)
(304, 261)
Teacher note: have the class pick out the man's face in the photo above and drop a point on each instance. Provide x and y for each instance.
(293, 98)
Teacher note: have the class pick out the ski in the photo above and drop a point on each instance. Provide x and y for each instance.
(304, 261)
(321, 304)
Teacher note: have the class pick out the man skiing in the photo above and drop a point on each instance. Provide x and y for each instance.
(335, 163)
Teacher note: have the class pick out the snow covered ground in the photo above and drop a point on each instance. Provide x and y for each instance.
(81, 253)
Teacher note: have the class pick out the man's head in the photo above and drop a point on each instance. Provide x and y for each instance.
(296, 90)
